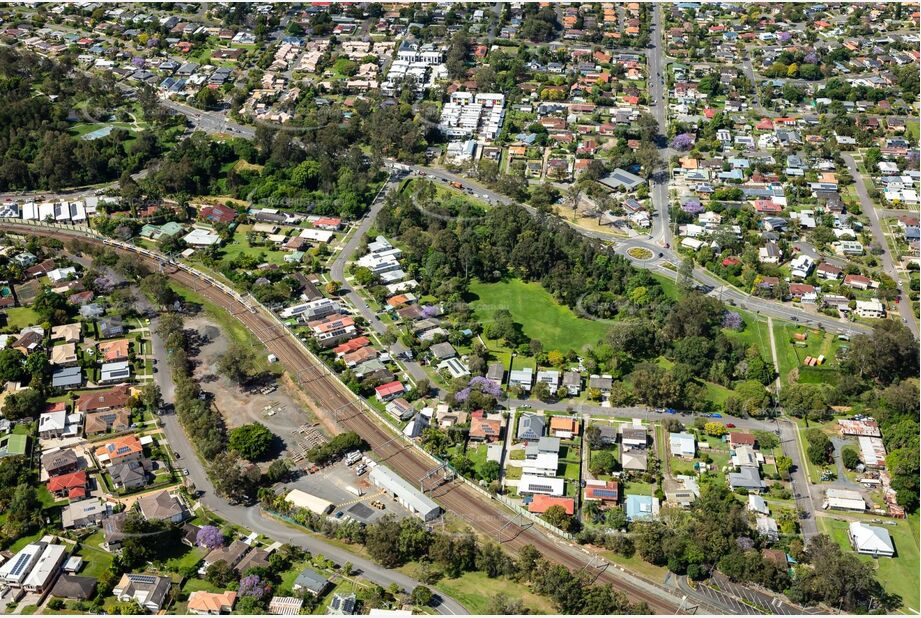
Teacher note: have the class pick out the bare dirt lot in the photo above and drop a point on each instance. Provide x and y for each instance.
(277, 410)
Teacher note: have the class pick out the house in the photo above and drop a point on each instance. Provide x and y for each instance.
(622, 179)
(540, 463)
(104, 400)
(391, 390)
(522, 378)
(162, 505)
(29, 341)
(540, 503)
(530, 427)
(844, 500)
(15, 570)
(641, 507)
(872, 308)
(217, 214)
(69, 333)
(738, 438)
(42, 575)
(110, 327)
(128, 475)
(84, 513)
(114, 372)
(67, 377)
(149, 591)
(64, 355)
(120, 450)
(602, 384)
(228, 554)
(606, 492)
(564, 426)
(572, 383)
(58, 424)
(74, 587)
(107, 420)
(211, 603)
(531, 484)
(870, 540)
(767, 527)
(72, 485)
(682, 445)
(342, 605)
(744, 456)
(633, 437)
(746, 478)
(485, 429)
(756, 504)
(115, 350)
(607, 435)
(442, 351)
(310, 581)
(685, 492)
(60, 461)
(285, 606)
(495, 373)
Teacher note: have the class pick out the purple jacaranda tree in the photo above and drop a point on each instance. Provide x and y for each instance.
(210, 537)
(732, 320)
(683, 142)
(253, 586)
(481, 384)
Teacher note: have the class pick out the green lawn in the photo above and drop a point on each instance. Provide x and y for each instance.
(21, 317)
(541, 317)
(790, 356)
(898, 575)
(476, 590)
(912, 131)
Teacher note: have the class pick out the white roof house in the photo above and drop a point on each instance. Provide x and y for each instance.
(530, 484)
(42, 574)
(845, 499)
(871, 540)
(682, 444)
(756, 504)
(15, 570)
(545, 464)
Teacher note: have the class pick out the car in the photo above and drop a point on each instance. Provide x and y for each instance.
(731, 425)
(177, 454)
(794, 319)
(185, 472)
(716, 415)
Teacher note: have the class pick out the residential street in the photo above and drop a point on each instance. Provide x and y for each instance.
(252, 517)
(869, 210)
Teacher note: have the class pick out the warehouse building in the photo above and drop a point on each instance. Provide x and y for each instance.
(407, 495)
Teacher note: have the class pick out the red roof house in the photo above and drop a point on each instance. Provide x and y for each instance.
(541, 503)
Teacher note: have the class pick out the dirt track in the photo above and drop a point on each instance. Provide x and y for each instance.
(484, 515)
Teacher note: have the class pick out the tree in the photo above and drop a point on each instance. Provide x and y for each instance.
(715, 429)
(238, 363)
(888, 353)
(51, 307)
(421, 596)
(489, 471)
(220, 574)
(150, 396)
(156, 288)
(541, 390)
(22, 404)
(503, 605)
(556, 516)
(209, 537)
(251, 441)
(593, 436)
(11, 365)
(850, 458)
(603, 462)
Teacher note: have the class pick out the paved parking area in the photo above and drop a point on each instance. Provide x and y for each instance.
(333, 483)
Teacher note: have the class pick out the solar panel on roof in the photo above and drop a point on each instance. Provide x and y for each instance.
(539, 487)
(20, 564)
(605, 493)
(143, 579)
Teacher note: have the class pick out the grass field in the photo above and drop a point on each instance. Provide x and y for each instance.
(541, 317)
(20, 317)
(898, 575)
(912, 130)
(790, 356)
(476, 590)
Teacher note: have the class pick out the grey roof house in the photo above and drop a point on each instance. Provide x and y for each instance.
(531, 427)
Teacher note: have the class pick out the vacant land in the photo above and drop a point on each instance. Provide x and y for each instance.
(790, 354)
(540, 316)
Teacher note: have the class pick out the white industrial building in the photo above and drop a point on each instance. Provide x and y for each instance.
(309, 502)
(845, 500)
(407, 495)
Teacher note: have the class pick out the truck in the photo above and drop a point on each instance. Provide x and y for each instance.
(457, 185)
(352, 457)
(354, 490)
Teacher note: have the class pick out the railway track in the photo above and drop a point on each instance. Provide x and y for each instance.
(484, 515)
